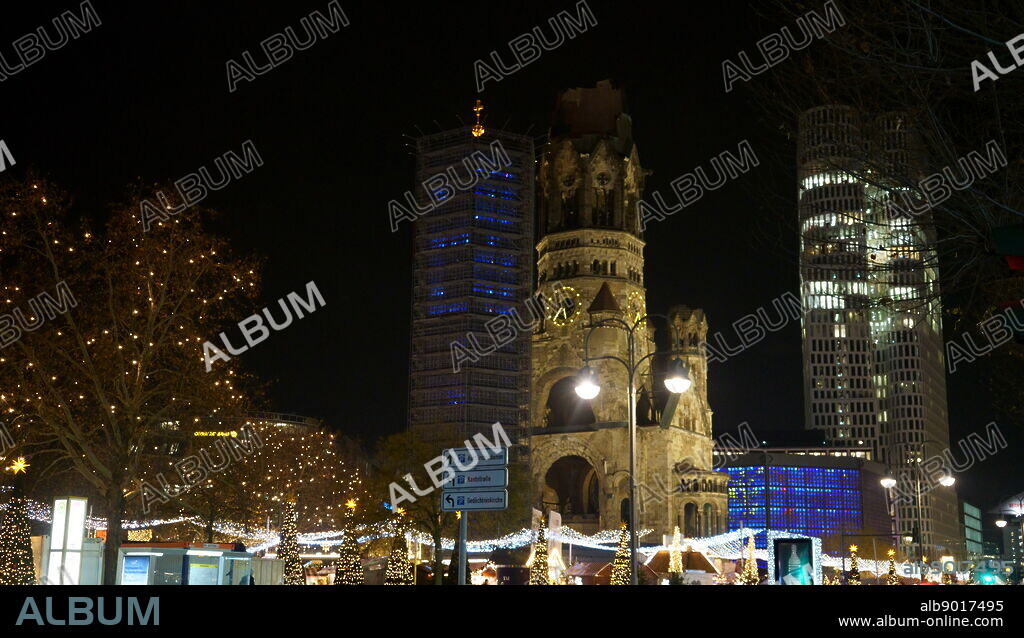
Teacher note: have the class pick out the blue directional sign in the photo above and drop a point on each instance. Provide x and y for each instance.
(466, 458)
(477, 501)
(476, 479)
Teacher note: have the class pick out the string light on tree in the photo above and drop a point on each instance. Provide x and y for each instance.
(892, 578)
(349, 568)
(399, 572)
(853, 578)
(675, 556)
(620, 566)
(16, 564)
(539, 566)
(288, 552)
(126, 368)
(749, 575)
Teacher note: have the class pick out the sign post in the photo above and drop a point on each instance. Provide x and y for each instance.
(463, 559)
(480, 490)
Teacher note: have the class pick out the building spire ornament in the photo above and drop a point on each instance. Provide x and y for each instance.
(478, 128)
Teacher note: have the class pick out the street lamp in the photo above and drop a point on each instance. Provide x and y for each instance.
(1017, 514)
(587, 388)
(888, 482)
(586, 384)
(946, 480)
(677, 381)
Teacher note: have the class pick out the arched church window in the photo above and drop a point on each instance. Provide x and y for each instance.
(690, 520)
(709, 519)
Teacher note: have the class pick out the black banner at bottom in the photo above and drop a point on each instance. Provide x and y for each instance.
(157, 610)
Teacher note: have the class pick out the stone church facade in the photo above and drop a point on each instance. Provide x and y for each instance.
(590, 257)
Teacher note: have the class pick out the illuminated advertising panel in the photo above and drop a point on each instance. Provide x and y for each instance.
(794, 563)
(66, 536)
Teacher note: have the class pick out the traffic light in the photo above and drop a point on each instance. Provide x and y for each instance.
(1009, 242)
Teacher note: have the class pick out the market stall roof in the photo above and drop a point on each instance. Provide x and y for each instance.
(692, 561)
(587, 569)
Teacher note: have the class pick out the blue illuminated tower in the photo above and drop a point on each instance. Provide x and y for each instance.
(473, 256)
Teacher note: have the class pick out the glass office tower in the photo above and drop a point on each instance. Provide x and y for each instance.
(872, 335)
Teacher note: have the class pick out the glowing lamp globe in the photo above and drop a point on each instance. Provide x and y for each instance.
(947, 481)
(586, 384)
(677, 380)
(888, 482)
(1000, 523)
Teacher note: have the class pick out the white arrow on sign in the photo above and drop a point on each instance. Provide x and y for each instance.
(486, 500)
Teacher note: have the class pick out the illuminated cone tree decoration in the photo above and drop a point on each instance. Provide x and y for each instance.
(675, 555)
(16, 566)
(539, 566)
(749, 575)
(620, 566)
(349, 569)
(399, 570)
(892, 578)
(288, 552)
(853, 577)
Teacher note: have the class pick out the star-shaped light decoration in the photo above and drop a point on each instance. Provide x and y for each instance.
(853, 548)
(400, 511)
(351, 504)
(19, 465)
(891, 553)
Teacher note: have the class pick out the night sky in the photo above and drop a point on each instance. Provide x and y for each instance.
(145, 95)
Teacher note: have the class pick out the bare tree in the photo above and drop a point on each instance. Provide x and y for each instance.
(101, 370)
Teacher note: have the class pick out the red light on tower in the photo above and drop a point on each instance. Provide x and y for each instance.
(1009, 242)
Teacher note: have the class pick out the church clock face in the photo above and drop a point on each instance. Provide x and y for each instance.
(568, 306)
(636, 309)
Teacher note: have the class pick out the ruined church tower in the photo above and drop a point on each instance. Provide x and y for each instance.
(590, 257)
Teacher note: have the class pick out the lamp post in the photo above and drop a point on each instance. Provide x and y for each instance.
(946, 480)
(888, 483)
(1019, 516)
(587, 387)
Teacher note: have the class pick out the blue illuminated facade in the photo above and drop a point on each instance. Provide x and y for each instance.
(822, 496)
(473, 260)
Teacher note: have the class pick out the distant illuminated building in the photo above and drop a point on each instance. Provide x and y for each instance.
(872, 335)
(823, 496)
